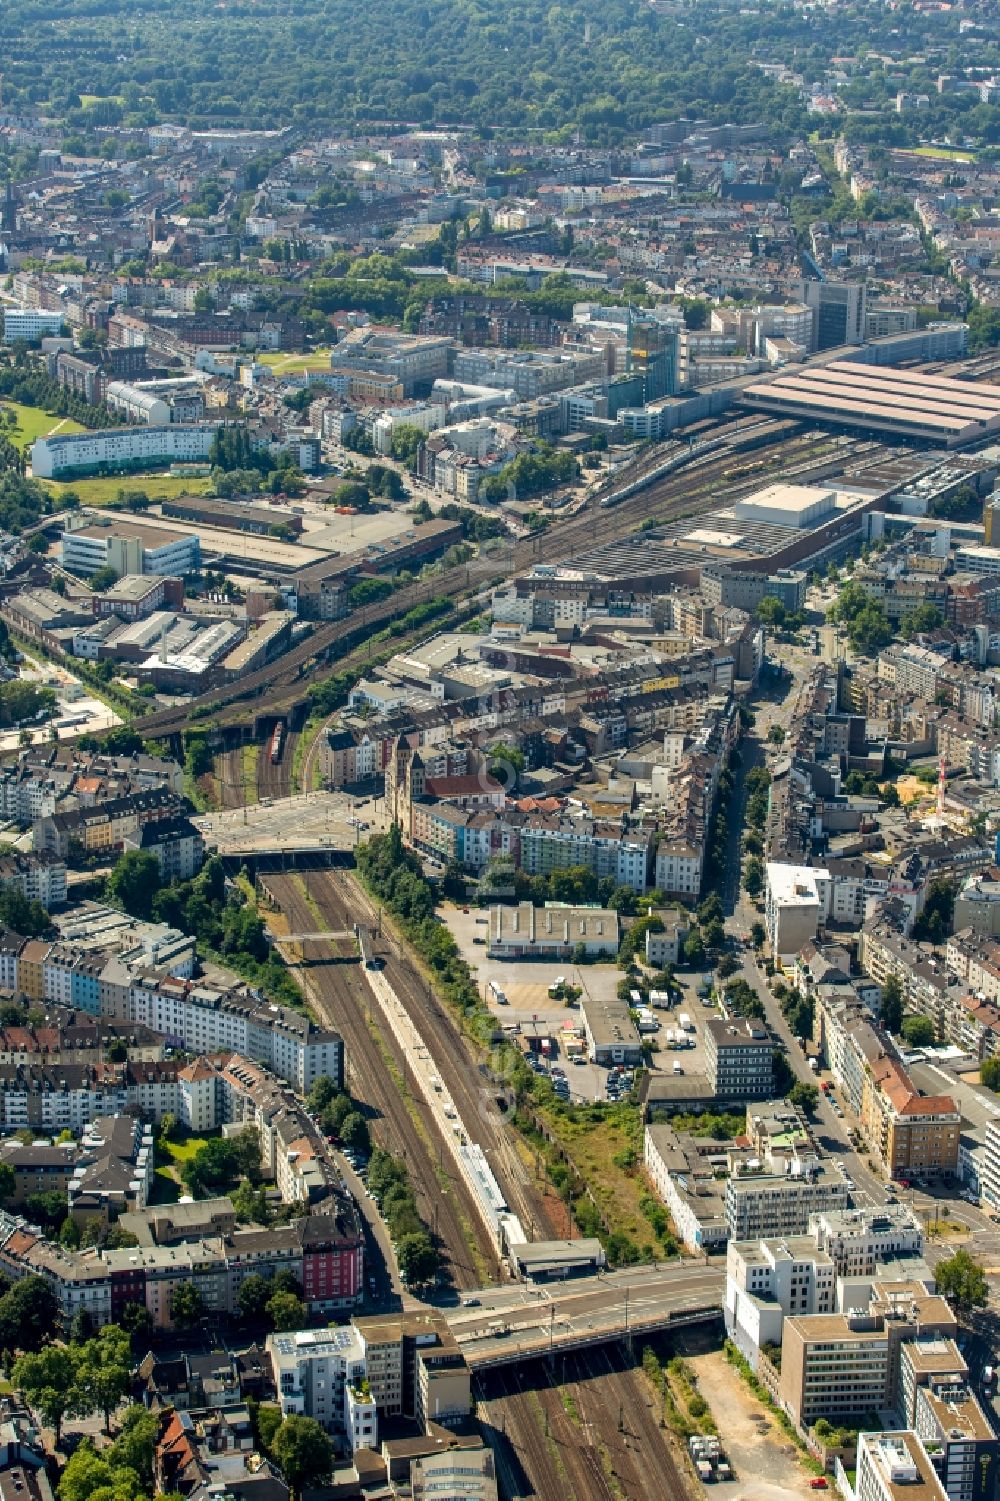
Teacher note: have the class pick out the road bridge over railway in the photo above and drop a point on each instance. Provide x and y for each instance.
(511, 1324)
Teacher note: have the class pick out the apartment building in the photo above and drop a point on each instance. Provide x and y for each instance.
(761, 1204)
(407, 1365)
(915, 1135)
(65, 454)
(858, 1239)
(39, 876)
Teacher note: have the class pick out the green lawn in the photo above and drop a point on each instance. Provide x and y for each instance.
(103, 489)
(184, 1148)
(946, 153)
(33, 423)
(291, 364)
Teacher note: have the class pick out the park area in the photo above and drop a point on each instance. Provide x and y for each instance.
(32, 422)
(297, 364)
(102, 489)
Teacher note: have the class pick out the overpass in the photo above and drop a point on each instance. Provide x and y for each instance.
(525, 1322)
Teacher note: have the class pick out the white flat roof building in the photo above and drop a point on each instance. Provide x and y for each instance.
(30, 323)
(114, 447)
(787, 505)
(797, 898)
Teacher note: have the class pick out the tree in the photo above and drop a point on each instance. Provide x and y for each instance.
(418, 1259)
(28, 1312)
(104, 1374)
(250, 1204)
(303, 1451)
(989, 1074)
(7, 1181)
(934, 923)
(323, 1091)
(48, 1380)
(254, 1295)
(187, 1305)
(758, 934)
(924, 617)
(137, 1321)
(753, 876)
(88, 1474)
(804, 1095)
(961, 1279)
(918, 1031)
(354, 1133)
(771, 611)
(102, 579)
(135, 1446)
(728, 965)
(694, 949)
(776, 735)
(286, 1311)
(134, 883)
(891, 1005)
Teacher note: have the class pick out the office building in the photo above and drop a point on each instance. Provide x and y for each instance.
(839, 312)
(30, 324)
(129, 547)
(739, 1059)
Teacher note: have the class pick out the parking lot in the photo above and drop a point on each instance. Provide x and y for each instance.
(531, 1009)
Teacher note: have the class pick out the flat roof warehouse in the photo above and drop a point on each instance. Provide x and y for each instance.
(900, 402)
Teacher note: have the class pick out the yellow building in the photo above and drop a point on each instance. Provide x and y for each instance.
(30, 969)
(915, 1135)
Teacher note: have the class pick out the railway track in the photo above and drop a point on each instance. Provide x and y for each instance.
(274, 778)
(566, 1430)
(229, 778)
(342, 900)
(281, 682)
(376, 1068)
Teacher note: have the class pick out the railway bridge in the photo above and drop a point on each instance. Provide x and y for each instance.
(502, 1326)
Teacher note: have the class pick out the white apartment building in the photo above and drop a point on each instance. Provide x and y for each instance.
(204, 1020)
(893, 1466)
(314, 1371)
(797, 899)
(855, 1239)
(119, 447)
(763, 1204)
(678, 868)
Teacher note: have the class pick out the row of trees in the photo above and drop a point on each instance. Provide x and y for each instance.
(338, 1115)
(389, 1184)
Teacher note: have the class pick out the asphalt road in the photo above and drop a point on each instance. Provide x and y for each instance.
(612, 1300)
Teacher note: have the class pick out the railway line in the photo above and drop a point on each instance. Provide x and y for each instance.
(342, 901)
(339, 998)
(281, 682)
(566, 1430)
(274, 776)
